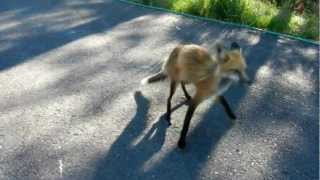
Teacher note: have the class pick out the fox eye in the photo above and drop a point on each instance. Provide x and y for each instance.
(237, 71)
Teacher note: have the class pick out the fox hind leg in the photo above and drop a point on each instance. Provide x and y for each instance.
(186, 124)
(195, 101)
(186, 94)
(173, 87)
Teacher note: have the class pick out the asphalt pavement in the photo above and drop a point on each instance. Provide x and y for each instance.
(72, 107)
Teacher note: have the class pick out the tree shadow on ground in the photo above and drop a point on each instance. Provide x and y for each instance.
(127, 159)
(269, 52)
(33, 35)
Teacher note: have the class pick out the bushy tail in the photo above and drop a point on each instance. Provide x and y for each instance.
(153, 78)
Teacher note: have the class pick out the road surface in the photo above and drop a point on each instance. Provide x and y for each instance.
(71, 106)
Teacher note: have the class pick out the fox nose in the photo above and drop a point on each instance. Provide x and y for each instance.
(245, 79)
(248, 81)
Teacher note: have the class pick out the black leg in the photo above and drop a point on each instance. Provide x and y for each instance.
(226, 107)
(186, 94)
(182, 140)
(173, 86)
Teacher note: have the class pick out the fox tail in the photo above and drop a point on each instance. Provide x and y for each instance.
(154, 78)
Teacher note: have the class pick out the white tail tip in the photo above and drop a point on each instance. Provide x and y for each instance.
(144, 81)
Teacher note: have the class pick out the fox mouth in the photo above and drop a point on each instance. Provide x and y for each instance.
(233, 76)
(236, 77)
(227, 81)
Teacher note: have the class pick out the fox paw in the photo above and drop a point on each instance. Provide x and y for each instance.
(182, 144)
(233, 117)
(184, 100)
(169, 123)
(168, 119)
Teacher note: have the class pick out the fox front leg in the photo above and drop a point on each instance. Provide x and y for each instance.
(226, 107)
(173, 87)
(186, 94)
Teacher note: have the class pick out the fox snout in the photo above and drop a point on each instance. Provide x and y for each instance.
(244, 78)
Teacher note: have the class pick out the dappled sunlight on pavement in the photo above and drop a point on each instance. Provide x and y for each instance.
(71, 104)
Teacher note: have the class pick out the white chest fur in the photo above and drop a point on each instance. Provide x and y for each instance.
(226, 81)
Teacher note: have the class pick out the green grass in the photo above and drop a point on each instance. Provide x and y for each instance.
(273, 15)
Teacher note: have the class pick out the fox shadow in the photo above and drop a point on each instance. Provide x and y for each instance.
(134, 154)
(125, 159)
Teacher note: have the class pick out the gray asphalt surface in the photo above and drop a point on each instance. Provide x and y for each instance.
(71, 106)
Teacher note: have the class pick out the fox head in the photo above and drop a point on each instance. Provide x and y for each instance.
(232, 62)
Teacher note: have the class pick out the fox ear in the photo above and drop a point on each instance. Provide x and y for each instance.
(220, 50)
(235, 46)
(219, 47)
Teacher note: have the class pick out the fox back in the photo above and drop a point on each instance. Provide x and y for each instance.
(189, 63)
(193, 63)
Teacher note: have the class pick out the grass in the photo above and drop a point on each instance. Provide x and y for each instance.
(273, 15)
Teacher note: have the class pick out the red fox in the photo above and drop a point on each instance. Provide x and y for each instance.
(211, 75)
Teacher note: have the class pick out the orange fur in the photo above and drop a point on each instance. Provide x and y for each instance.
(193, 64)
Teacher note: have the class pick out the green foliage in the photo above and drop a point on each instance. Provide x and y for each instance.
(274, 15)
(230, 10)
